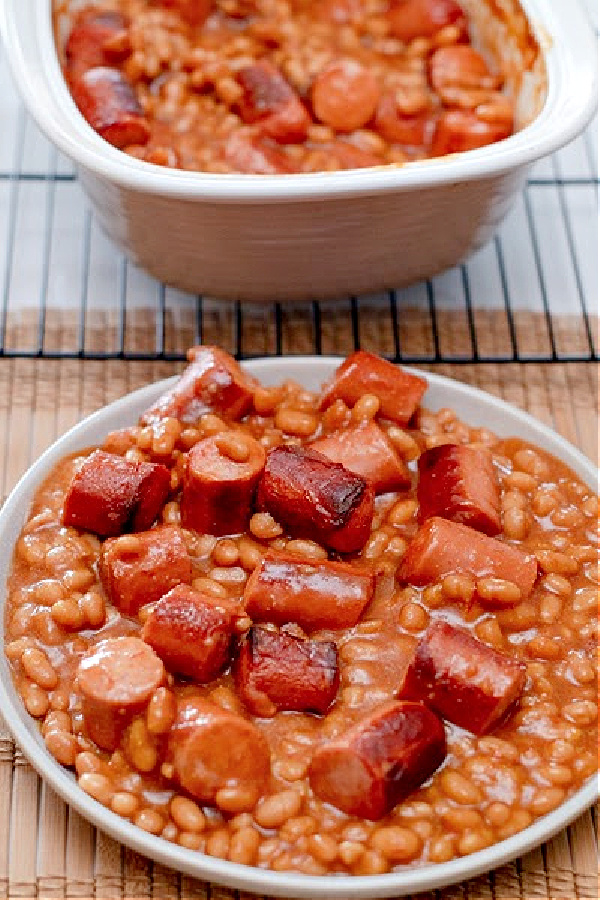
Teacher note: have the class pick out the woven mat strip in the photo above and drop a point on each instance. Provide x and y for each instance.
(48, 850)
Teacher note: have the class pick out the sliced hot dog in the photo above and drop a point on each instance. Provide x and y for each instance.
(139, 569)
(410, 19)
(107, 101)
(211, 748)
(116, 680)
(441, 547)
(191, 632)
(459, 130)
(462, 679)
(401, 128)
(218, 490)
(323, 594)
(271, 102)
(367, 451)
(458, 482)
(315, 498)
(213, 382)
(254, 154)
(275, 671)
(399, 392)
(110, 495)
(97, 38)
(379, 761)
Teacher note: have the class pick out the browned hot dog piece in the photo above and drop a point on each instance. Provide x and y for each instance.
(219, 483)
(410, 19)
(271, 102)
(109, 494)
(116, 679)
(441, 547)
(380, 761)
(191, 632)
(458, 482)
(139, 569)
(275, 671)
(211, 748)
(399, 392)
(319, 594)
(97, 38)
(246, 151)
(315, 498)
(213, 382)
(107, 101)
(463, 679)
(367, 451)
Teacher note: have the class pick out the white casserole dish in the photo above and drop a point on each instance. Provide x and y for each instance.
(471, 405)
(307, 236)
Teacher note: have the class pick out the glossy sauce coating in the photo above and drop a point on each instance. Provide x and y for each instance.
(175, 758)
(285, 86)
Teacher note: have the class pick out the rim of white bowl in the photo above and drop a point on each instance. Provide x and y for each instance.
(343, 887)
(564, 33)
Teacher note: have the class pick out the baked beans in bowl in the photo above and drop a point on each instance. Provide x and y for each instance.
(382, 226)
(270, 669)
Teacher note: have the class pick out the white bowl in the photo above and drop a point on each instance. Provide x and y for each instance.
(307, 236)
(473, 406)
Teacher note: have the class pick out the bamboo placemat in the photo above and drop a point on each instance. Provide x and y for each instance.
(47, 850)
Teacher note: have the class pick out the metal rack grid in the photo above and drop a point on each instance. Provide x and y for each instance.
(530, 295)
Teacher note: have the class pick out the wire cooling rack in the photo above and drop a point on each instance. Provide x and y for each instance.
(530, 295)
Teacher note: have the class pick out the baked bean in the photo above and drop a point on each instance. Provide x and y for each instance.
(402, 512)
(366, 408)
(433, 596)
(371, 863)
(473, 841)
(62, 745)
(250, 553)
(217, 843)
(582, 670)
(459, 788)
(461, 818)
(296, 422)
(161, 711)
(498, 591)
(550, 608)
(243, 846)
(546, 799)
(489, 631)
(140, 748)
(521, 481)
(581, 712)
(273, 811)
(97, 786)
(527, 460)
(396, 844)
(443, 849)
(187, 815)
(46, 592)
(350, 852)
(552, 561)
(58, 720)
(234, 446)
(35, 700)
(68, 614)
(323, 847)
(124, 804)
(516, 523)
(225, 553)
(458, 587)
(413, 617)
(264, 527)
(519, 819)
(191, 841)
(209, 586)
(93, 608)
(497, 813)
(149, 820)
(307, 549)
(236, 799)
(38, 668)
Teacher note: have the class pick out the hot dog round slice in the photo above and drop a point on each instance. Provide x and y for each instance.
(219, 483)
(379, 761)
(366, 450)
(462, 679)
(116, 679)
(191, 632)
(211, 748)
(441, 547)
(458, 482)
(275, 670)
(316, 498)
